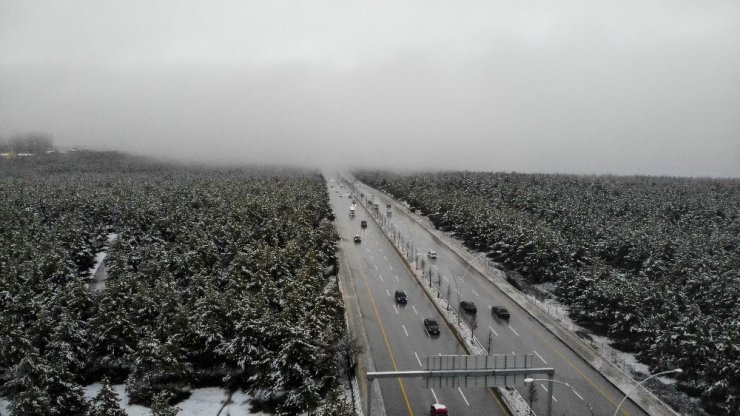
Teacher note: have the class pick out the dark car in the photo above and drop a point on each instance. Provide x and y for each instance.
(363, 224)
(401, 296)
(358, 239)
(500, 311)
(431, 326)
(468, 306)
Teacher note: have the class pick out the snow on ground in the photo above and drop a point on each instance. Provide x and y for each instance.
(98, 272)
(202, 401)
(626, 361)
(120, 389)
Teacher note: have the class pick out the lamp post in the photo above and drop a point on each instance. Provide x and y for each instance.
(463, 275)
(677, 370)
(530, 380)
(471, 263)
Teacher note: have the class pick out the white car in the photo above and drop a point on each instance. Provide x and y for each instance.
(432, 254)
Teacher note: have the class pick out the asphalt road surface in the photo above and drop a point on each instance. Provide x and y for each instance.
(396, 334)
(521, 334)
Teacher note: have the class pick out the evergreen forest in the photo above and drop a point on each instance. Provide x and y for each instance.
(216, 277)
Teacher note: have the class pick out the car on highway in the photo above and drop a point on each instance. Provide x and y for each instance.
(500, 311)
(363, 224)
(438, 409)
(401, 296)
(468, 306)
(432, 254)
(358, 239)
(431, 326)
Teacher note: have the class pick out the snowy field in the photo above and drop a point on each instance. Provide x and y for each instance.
(203, 401)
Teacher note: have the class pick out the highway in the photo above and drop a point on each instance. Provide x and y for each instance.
(521, 334)
(396, 335)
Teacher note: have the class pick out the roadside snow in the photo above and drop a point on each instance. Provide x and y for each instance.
(120, 389)
(98, 272)
(202, 401)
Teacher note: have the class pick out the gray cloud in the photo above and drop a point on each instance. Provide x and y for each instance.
(648, 87)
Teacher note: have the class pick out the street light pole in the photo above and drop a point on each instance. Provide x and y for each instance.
(471, 263)
(677, 370)
(530, 380)
(454, 277)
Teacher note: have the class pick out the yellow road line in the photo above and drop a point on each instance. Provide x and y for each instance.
(490, 390)
(382, 330)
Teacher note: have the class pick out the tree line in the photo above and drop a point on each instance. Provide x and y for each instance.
(27, 143)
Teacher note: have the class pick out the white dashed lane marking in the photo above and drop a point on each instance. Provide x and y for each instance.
(418, 360)
(545, 388)
(512, 330)
(539, 356)
(494, 332)
(404, 330)
(463, 396)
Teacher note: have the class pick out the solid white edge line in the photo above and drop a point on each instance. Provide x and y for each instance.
(539, 356)
(463, 396)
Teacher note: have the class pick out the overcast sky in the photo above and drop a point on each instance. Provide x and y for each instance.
(644, 86)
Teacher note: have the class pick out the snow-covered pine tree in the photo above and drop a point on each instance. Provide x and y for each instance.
(161, 405)
(157, 365)
(106, 402)
(42, 388)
